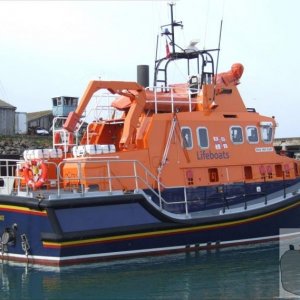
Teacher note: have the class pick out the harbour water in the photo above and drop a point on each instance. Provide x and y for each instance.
(246, 272)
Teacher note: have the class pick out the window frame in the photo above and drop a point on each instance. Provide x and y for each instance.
(231, 137)
(182, 138)
(262, 128)
(247, 136)
(198, 137)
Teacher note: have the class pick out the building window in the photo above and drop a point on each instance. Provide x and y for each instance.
(236, 134)
(252, 134)
(202, 137)
(187, 140)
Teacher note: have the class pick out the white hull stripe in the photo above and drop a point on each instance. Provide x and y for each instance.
(131, 253)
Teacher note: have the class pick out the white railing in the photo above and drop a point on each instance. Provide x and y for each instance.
(135, 174)
(139, 176)
(175, 100)
(8, 175)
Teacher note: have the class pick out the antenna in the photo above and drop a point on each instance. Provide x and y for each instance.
(173, 24)
(172, 28)
(217, 64)
(220, 35)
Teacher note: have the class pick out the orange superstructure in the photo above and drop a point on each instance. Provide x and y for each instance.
(193, 140)
(193, 134)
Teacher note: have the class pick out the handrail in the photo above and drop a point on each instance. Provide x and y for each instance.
(139, 176)
(8, 174)
(173, 101)
(64, 140)
(147, 180)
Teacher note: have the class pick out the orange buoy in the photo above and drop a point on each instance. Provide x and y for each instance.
(35, 174)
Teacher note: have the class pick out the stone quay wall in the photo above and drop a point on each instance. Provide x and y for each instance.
(15, 145)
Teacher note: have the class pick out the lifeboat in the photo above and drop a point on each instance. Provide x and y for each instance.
(182, 167)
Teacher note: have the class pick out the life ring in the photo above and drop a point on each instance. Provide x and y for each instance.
(35, 174)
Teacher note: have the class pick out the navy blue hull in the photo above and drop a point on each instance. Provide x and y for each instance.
(218, 196)
(237, 231)
(73, 231)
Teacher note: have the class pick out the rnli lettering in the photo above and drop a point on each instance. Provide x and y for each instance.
(1, 217)
(203, 155)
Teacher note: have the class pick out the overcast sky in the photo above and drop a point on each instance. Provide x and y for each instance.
(53, 48)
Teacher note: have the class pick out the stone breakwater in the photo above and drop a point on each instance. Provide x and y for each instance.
(16, 145)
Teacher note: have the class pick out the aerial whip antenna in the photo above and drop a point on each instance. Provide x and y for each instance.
(217, 64)
(219, 46)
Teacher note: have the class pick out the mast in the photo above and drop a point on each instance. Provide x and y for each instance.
(170, 40)
(202, 58)
(172, 25)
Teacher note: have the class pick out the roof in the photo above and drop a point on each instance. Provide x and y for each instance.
(4, 104)
(39, 114)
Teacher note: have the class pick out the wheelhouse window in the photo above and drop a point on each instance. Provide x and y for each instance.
(236, 134)
(266, 132)
(252, 134)
(187, 140)
(202, 136)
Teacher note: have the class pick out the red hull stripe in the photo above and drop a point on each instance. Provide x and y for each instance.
(22, 210)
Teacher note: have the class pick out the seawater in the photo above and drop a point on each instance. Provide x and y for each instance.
(248, 272)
